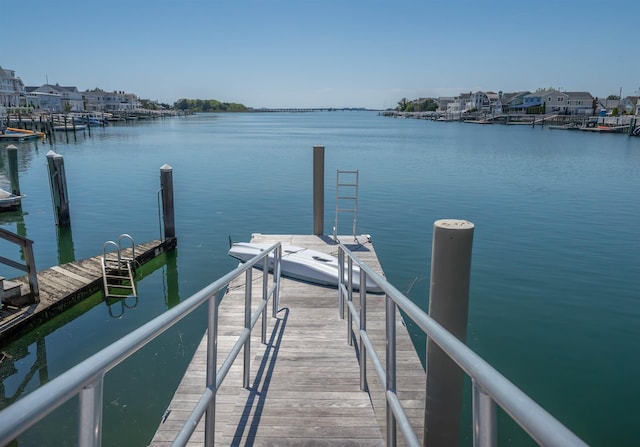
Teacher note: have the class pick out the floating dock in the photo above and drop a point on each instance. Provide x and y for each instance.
(62, 286)
(305, 382)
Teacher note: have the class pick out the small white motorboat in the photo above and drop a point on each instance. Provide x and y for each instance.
(9, 201)
(303, 264)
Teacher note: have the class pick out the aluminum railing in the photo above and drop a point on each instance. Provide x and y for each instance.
(489, 387)
(86, 379)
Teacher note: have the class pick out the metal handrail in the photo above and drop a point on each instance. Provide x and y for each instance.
(489, 386)
(86, 379)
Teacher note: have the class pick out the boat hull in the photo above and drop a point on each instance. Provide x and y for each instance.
(302, 264)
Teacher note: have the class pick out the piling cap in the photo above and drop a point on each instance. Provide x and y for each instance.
(12, 146)
(454, 224)
(51, 153)
(166, 167)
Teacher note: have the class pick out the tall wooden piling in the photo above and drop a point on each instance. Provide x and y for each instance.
(166, 185)
(318, 190)
(12, 154)
(449, 306)
(58, 184)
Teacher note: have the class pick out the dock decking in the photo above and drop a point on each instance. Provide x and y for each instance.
(62, 286)
(305, 381)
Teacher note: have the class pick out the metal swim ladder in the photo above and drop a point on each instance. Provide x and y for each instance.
(346, 198)
(118, 273)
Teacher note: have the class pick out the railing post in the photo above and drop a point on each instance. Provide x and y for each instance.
(31, 271)
(265, 291)
(448, 305)
(340, 282)
(484, 419)
(212, 372)
(363, 328)
(277, 256)
(90, 418)
(318, 190)
(350, 300)
(166, 186)
(247, 326)
(390, 356)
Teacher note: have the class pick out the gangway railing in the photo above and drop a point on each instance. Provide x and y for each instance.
(30, 264)
(489, 387)
(87, 378)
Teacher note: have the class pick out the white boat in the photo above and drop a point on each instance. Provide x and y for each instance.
(9, 201)
(303, 264)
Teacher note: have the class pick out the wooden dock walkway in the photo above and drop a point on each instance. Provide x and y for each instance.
(62, 286)
(305, 381)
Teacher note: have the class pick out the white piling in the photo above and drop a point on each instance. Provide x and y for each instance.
(449, 306)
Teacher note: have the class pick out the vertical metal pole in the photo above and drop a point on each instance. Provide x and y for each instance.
(363, 328)
(340, 282)
(318, 190)
(265, 290)
(90, 424)
(166, 185)
(391, 369)
(350, 300)
(247, 326)
(484, 419)
(212, 371)
(448, 305)
(276, 278)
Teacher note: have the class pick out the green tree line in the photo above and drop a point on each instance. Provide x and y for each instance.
(208, 105)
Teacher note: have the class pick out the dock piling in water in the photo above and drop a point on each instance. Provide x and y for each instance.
(166, 187)
(318, 190)
(449, 306)
(12, 154)
(58, 183)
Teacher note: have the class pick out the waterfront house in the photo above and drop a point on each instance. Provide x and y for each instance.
(70, 97)
(12, 91)
(629, 105)
(579, 103)
(46, 102)
(546, 101)
(513, 101)
(98, 100)
(460, 103)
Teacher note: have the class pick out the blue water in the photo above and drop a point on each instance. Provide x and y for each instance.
(554, 301)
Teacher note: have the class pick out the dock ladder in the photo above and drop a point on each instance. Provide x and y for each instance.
(118, 271)
(346, 198)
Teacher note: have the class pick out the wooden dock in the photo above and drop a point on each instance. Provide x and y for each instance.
(305, 387)
(62, 286)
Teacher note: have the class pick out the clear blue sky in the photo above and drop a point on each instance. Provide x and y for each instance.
(323, 53)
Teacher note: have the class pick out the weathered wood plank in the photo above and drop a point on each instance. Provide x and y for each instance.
(304, 384)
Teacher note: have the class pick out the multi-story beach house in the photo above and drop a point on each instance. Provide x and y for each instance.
(12, 90)
(70, 98)
(112, 102)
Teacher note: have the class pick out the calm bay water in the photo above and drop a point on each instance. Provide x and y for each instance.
(554, 293)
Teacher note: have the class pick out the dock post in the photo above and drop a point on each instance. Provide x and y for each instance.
(448, 305)
(318, 190)
(166, 187)
(58, 183)
(12, 154)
